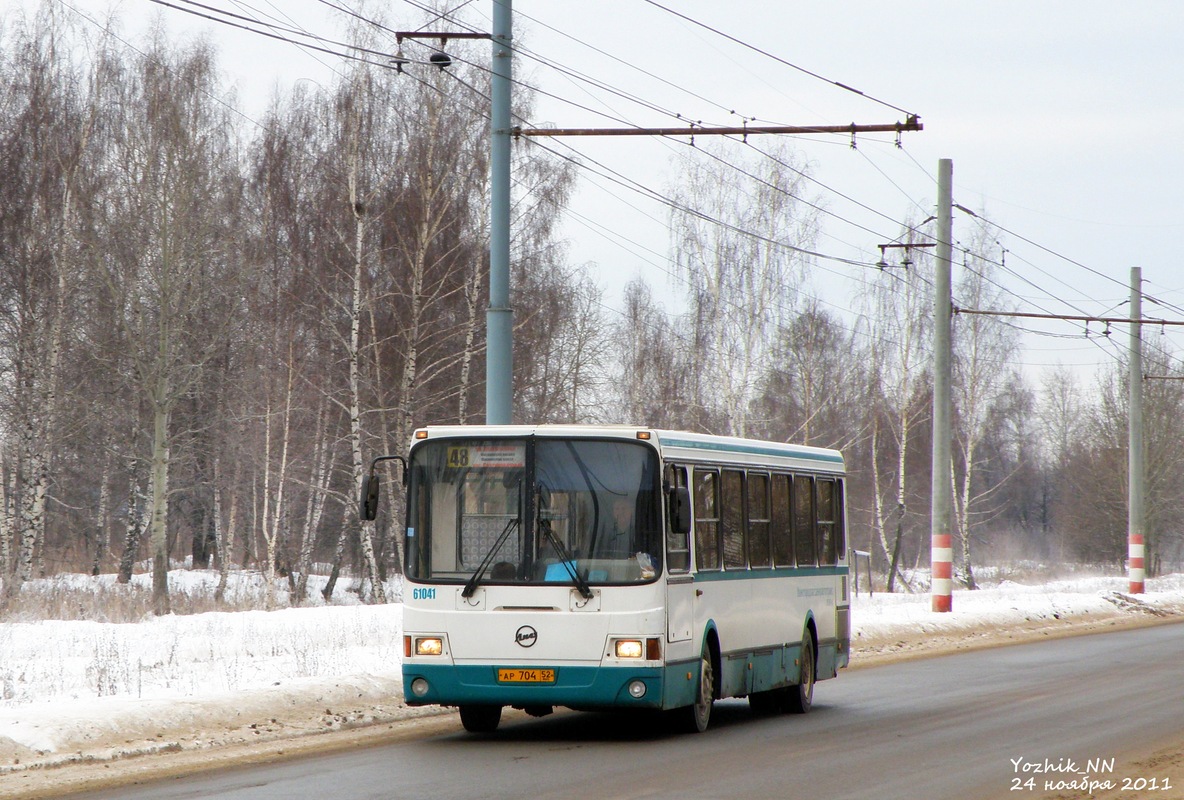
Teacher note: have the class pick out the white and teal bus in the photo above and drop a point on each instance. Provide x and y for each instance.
(606, 567)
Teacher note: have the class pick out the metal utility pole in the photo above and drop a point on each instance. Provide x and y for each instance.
(1136, 525)
(499, 318)
(941, 558)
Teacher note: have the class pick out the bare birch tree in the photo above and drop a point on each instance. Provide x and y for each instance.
(45, 127)
(1061, 413)
(171, 227)
(655, 366)
(899, 315)
(812, 383)
(738, 240)
(560, 350)
(983, 371)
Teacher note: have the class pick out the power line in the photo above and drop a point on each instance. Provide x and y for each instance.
(912, 125)
(778, 59)
(622, 61)
(601, 86)
(633, 185)
(650, 192)
(1042, 247)
(270, 34)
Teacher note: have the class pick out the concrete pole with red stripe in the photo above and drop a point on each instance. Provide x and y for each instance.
(1136, 525)
(941, 554)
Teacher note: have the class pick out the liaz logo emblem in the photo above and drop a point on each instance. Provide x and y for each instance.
(526, 636)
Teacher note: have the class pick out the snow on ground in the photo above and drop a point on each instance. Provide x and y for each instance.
(85, 690)
(1009, 603)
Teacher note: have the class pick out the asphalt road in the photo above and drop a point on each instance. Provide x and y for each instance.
(987, 724)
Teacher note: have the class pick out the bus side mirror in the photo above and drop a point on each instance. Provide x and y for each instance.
(679, 503)
(368, 507)
(368, 503)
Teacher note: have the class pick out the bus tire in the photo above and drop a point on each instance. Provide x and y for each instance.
(698, 715)
(480, 718)
(800, 697)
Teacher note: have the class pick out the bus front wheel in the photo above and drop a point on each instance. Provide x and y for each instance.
(480, 719)
(698, 715)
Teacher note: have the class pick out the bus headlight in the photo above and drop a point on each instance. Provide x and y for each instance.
(630, 648)
(419, 687)
(636, 690)
(429, 646)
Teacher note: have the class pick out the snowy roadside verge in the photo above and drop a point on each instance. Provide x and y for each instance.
(85, 693)
(124, 728)
(891, 627)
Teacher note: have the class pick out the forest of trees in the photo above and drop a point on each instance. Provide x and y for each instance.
(209, 324)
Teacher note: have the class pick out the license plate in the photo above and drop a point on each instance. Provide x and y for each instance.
(525, 675)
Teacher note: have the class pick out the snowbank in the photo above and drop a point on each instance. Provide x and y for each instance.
(1009, 603)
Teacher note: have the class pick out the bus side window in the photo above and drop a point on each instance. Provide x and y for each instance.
(731, 517)
(678, 545)
(758, 519)
(782, 530)
(803, 520)
(826, 522)
(707, 520)
(840, 521)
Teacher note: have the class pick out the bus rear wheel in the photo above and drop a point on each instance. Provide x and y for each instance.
(480, 719)
(799, 698)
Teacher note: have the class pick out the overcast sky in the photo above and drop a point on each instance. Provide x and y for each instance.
(1062, 117)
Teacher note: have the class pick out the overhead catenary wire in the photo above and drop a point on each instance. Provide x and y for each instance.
(653, 193)
(625, 62)
(344, 8)
(272, 34)
(778, 59)
(1052, 295)
(894, 107)
(341, 7)
(471, 88)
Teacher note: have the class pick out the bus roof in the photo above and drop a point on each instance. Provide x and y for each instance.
(673, 445)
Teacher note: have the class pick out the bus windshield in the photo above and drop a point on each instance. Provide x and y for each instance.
(533, 510)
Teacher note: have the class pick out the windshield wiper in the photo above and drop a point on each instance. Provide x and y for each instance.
(568, 562)
(471, 586)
